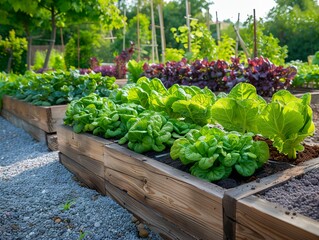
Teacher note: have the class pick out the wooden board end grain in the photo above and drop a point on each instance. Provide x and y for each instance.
(52, 141)
(89, 178)
(193, 205)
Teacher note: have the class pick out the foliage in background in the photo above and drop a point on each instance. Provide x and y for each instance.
(307, 75)
(56, 61)
(221, 76)
(12, 50)
(267, 45)
(203, 44)
(295, 24)
(102, 12)
(88, 44)
(118, 70)
(315, 59)
(172, 54)
(144, 36)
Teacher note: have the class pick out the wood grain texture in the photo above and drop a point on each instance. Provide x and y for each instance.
(154, 220)
(34, 131)
(45, 118)
(89, 178)
(192, 204)
(234, 227)
(76, 145)
(260, 219)
(52, 141)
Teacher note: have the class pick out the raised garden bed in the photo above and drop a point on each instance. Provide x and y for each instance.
(171, 201)
(246, 215)
(40, 122)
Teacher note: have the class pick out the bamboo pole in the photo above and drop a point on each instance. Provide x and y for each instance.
(237, 39)
(153, 31)
(242, 43)
(217, 28)
(188, 25)
(124, 29)
(138, 32)
(255, 36)
(163, 41)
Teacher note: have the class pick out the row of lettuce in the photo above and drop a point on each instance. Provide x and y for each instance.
(213, 135)
(56, 87)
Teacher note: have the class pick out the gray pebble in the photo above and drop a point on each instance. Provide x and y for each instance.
(34, 185)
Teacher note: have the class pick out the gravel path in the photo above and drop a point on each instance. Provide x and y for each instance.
(39, 198)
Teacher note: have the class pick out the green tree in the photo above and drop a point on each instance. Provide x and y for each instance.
(12, 49)
(295, 24)
(75, 11)
(88, 44)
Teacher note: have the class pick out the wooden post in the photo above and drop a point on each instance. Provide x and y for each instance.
(242, 43)
(78, 45)
(237, 39)
(255, 36)
(124, 29)
(138, 32)
(153, 32)
(163, 41)
(217, 29)
(188, 25)
(62, 39)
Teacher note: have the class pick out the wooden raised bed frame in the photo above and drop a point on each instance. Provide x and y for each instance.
(172, 202)
(40, 122)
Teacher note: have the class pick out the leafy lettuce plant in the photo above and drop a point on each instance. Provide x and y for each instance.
(213, 153)
(287, 121)
(134, 70)
(149, 131)
(239, 110)
(100, 116)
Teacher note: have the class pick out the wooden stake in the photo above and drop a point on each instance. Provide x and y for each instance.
(242, 43)
(237, 39)
(255, 36)
(163, 42)
(217, 28)
(188, 25)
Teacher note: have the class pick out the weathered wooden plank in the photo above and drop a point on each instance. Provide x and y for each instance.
(71, 144)
(52, 141)
(192, 204)
(232, 221)
(260, 219)
(35, 132)
(154, 220)
(121, 82)
(45, 118)
(87, 177)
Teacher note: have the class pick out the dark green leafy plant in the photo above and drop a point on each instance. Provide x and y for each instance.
(150, 131)
(54, 88)
(213, 153)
